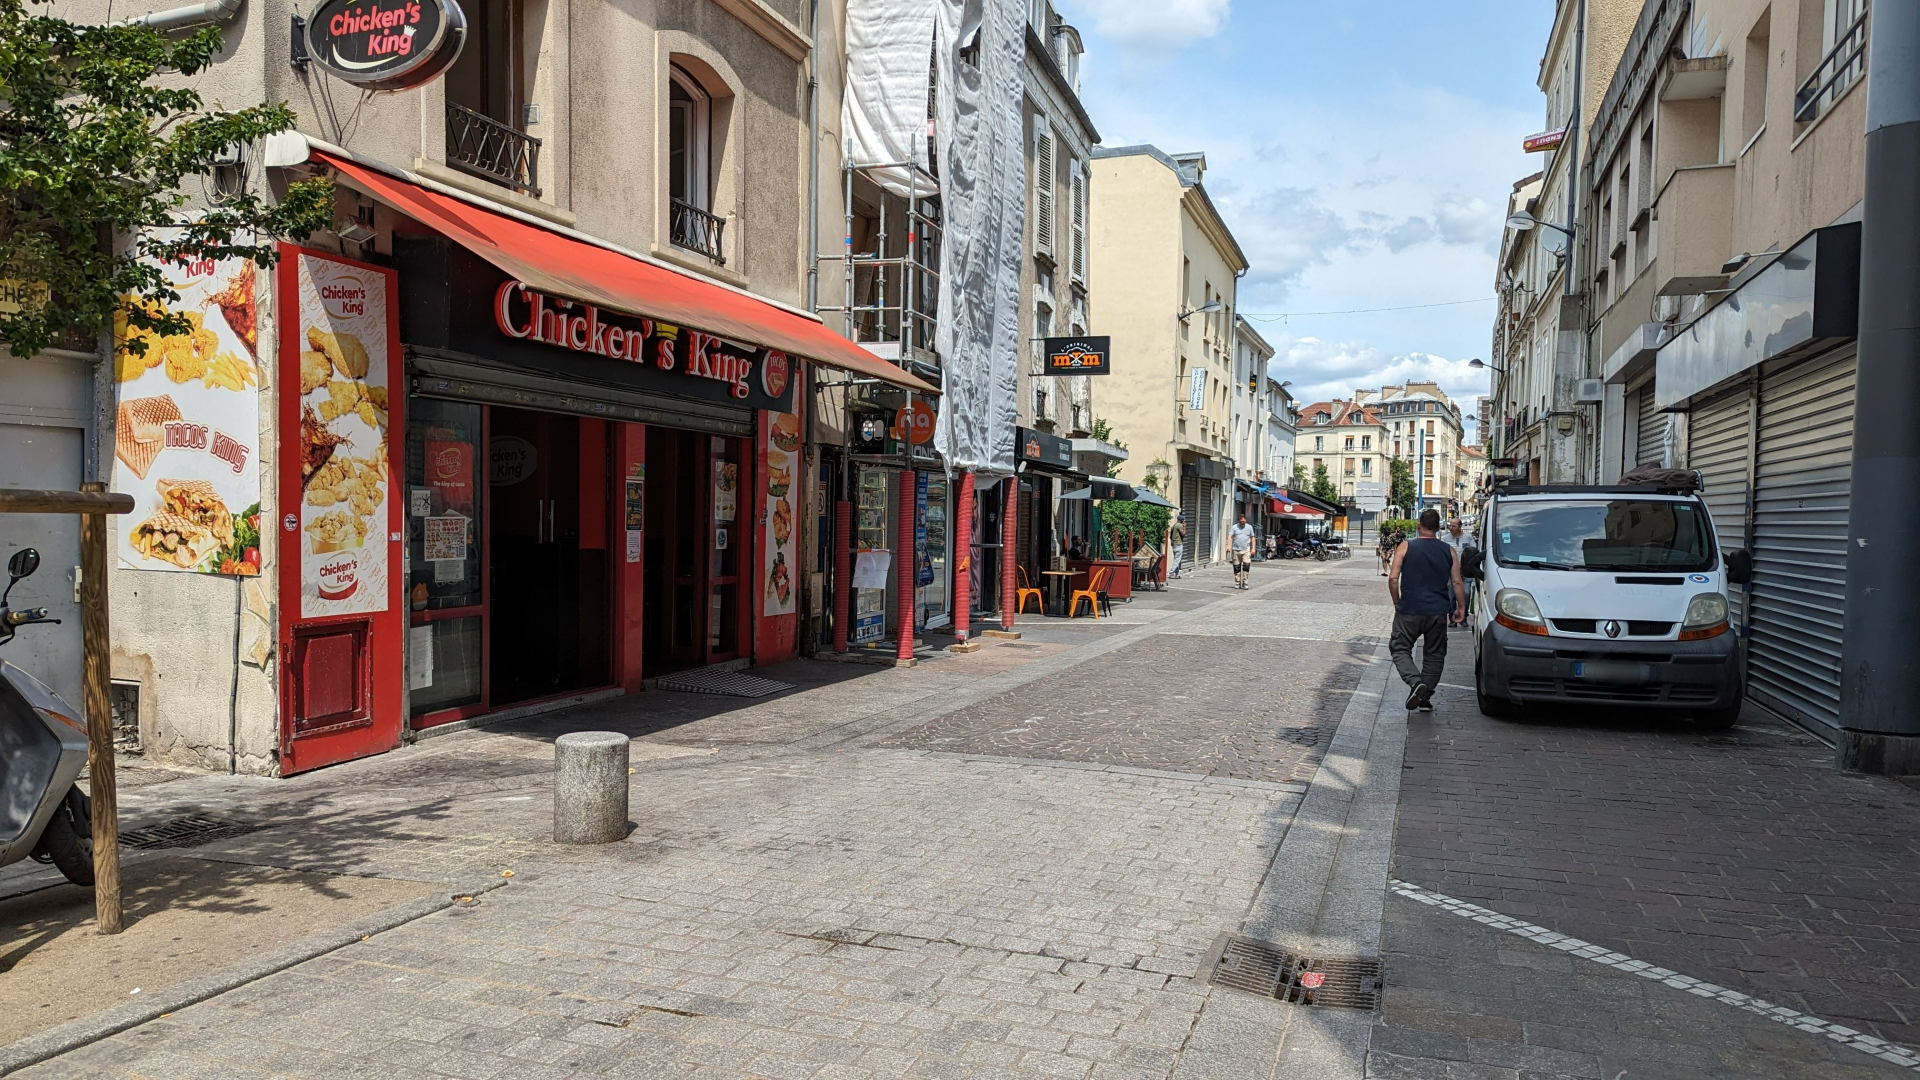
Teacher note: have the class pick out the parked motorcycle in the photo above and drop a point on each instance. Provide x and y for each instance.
(43, 750)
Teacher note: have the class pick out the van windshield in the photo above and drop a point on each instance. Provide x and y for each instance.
(1589, 534)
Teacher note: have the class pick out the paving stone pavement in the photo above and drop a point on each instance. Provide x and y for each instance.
(1742, 858)
(1255, 709)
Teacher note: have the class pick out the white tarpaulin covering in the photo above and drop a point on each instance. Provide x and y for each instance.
(884, 112)
(984, 200)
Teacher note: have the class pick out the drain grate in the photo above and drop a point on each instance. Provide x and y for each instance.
(723, 682)
(1257, 967)
(190, 831)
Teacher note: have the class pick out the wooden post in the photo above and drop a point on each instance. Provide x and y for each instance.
(98, 649)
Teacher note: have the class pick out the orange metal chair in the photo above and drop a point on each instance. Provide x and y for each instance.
(1026, 590)
(1091, 594)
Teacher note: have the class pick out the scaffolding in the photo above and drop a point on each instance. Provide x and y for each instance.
(891, 300)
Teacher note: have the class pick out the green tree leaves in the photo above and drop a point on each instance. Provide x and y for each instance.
(96, 141)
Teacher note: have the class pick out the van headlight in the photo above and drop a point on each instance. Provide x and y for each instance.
(1706, 617)
(1516, 609)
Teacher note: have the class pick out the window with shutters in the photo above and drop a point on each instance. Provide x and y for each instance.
(1043, 167)
(1079, 179)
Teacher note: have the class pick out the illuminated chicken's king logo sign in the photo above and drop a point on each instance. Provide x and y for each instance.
(386, 44)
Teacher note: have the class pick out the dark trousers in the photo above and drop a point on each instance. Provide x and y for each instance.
(1431, 631)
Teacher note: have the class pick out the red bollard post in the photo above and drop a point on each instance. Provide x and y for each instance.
(963, 561)
(842, 572)
(904, 562)
(1009, 537)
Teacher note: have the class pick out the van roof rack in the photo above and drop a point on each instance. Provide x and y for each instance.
(1597, 489)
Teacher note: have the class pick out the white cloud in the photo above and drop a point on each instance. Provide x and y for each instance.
(1159, 24)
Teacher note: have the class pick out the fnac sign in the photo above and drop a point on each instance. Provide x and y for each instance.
(914, 423)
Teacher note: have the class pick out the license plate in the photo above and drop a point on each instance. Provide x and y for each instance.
(1613, 672)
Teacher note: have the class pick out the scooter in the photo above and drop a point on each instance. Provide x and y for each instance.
(43, 750)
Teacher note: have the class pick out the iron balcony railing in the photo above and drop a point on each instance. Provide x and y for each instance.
(486, 147)
(1838, 70)
(697, 230)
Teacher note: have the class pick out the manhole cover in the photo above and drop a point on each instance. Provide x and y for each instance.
(1257, 967)
(723, 682)
(190, 831)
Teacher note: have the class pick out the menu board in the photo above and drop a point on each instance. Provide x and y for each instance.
(343, 382)
(782, 451)
(187, 426)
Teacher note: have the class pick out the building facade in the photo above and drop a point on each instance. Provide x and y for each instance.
(1728, 165)
(524, 424)
(1350, 440)
(1540, 329)
(1425, 430)
(1168, 268)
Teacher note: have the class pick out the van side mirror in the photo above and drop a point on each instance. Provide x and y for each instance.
(1470, 564)
(1739, 566)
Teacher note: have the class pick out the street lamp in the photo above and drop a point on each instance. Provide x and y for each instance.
(1208, 308)
(1525, 222)
(1478, 363)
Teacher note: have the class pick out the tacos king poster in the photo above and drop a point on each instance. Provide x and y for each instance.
(781, 571)
(187, 426)
(343, 383)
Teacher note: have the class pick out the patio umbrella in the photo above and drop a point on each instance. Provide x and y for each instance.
(1150, 497)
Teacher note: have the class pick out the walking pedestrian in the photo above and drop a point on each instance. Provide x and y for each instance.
(1240, 549)
(1176, 543)
(1426, 588)
(1461, 542)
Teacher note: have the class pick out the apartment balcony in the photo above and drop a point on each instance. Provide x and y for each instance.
(697, 230)
(487, 148)
(1695, 212)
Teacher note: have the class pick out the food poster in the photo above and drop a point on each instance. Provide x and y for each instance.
(187, 426)
(782, 452)
(344, 381)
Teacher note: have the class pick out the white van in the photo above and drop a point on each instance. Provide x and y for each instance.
(1605, 596)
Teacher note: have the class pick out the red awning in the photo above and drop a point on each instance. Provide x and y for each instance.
(562, 266)
(1287, 509)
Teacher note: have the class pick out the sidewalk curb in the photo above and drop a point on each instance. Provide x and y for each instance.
(74, 1034)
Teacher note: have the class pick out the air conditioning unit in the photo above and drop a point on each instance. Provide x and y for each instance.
(1590, 392)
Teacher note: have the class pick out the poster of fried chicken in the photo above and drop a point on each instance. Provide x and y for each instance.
(187, 426)
(782, 453)
(337, 365)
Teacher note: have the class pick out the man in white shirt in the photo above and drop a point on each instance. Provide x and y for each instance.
(1240, 545)
(1461, 542)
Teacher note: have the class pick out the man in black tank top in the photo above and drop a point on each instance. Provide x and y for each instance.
(1426, 589)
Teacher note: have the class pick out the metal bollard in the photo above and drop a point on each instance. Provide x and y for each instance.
(590, 787)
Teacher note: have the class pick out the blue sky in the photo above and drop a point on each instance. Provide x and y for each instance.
(1361, 152)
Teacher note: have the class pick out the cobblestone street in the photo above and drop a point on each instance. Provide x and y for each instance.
(1014, 863)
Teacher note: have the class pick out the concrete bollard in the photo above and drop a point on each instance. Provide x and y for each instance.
(590, 788)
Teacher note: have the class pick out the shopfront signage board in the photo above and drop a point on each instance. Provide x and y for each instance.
(914, 422)
(650, 354)
(1078, 355)
(1544, 141)
(1197, 393)
(386, 44)
(1045, 449)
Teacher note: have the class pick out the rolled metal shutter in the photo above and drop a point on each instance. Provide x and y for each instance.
(1802, 495)
(1190, 506)
(1651, 441)
(1718, 445)
(1209, 512)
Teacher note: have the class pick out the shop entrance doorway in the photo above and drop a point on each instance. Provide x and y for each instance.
(549, 569)
(510, 588)
(698, 536)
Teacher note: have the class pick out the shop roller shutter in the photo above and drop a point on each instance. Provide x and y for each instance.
(1190, 506)
(1651, 442)
(1718, 443)
(1802, 481)
(438, 376)
(1209, 513)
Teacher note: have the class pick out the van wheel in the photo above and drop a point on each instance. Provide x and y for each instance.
(68, 838)
(1497, 708)
(1719, 719)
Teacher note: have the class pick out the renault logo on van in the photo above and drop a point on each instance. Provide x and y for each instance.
(1612, 628)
